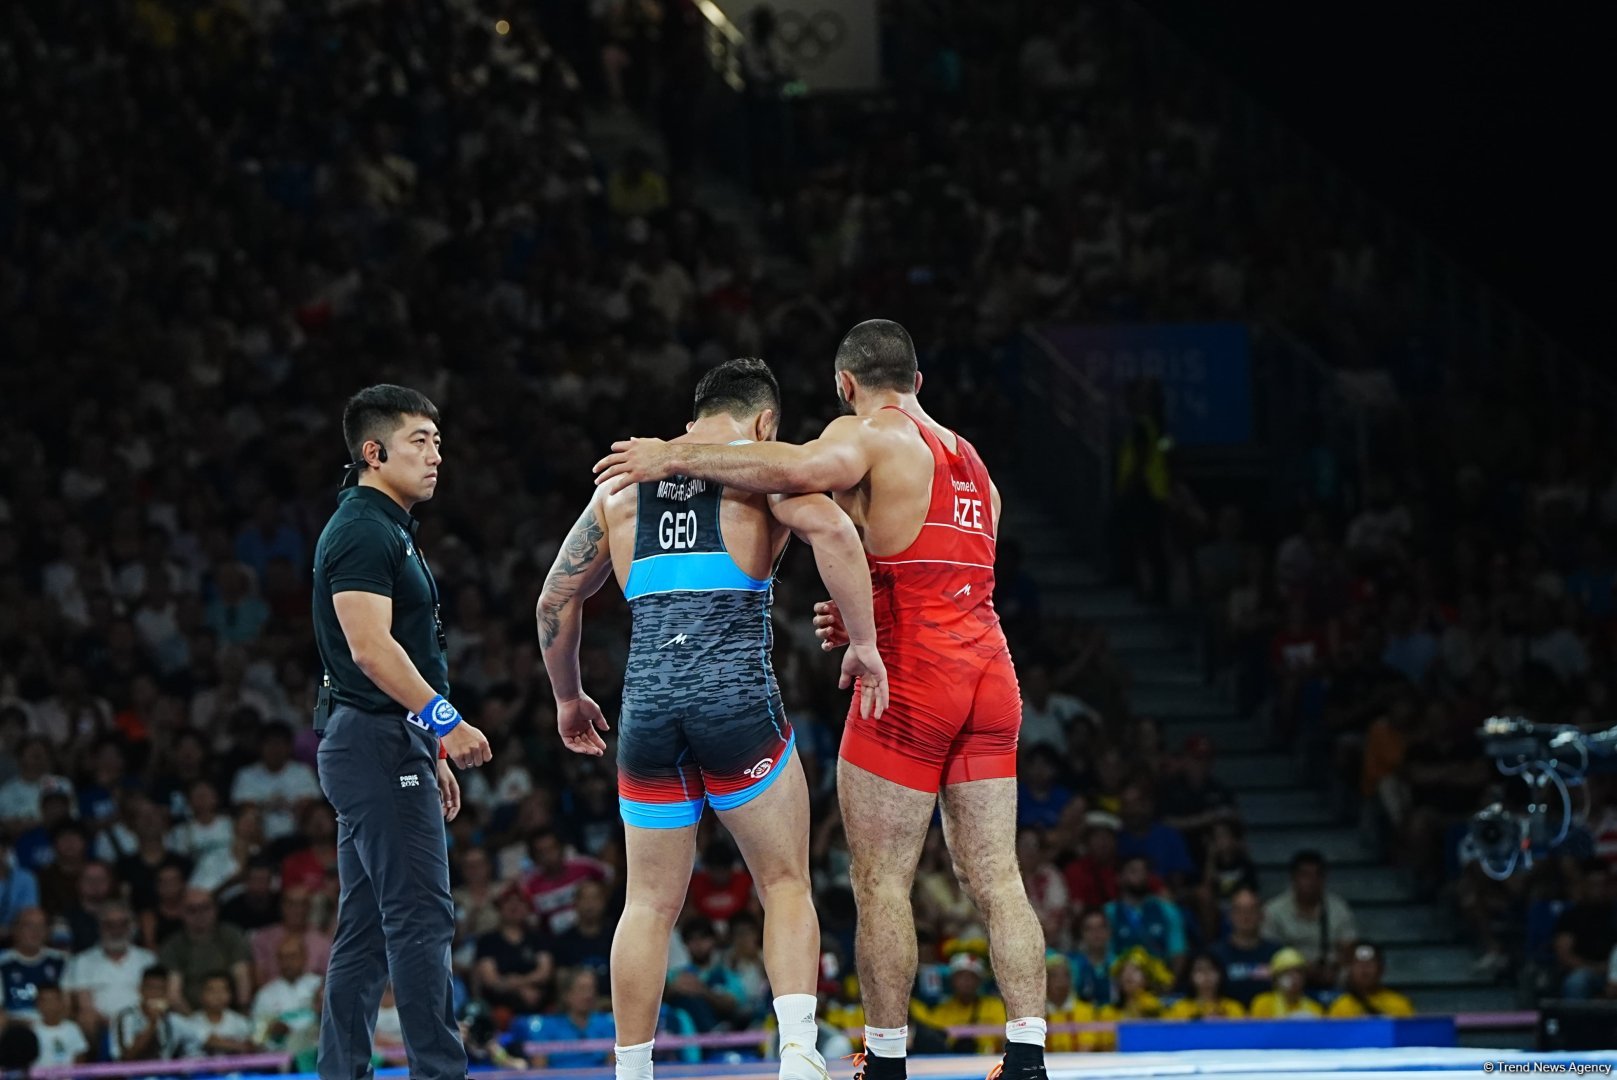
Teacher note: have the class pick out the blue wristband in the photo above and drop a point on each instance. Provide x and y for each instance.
(440, 716)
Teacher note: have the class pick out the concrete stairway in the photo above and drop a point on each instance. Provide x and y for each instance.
(1284, 810)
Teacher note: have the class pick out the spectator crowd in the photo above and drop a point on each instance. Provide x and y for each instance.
(219, 217)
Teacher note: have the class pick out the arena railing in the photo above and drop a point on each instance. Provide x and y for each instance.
(280, 1062)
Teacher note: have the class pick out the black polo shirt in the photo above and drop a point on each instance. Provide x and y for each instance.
(369, 546)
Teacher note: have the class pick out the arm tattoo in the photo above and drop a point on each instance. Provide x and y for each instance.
(582, 547)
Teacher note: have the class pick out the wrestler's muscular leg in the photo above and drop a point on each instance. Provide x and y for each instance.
(772, 832)
(886, 825)
(979, 826)
(660, 862)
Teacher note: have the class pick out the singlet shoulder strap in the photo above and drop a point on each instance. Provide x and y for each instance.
(939, 451)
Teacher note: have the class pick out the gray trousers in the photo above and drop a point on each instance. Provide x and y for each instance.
(396, 917)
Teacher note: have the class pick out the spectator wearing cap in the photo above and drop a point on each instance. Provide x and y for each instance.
(1363, 994)
(1163, 846)
(968, 1005)
(1203, 989)
(1140, 978)
(1288, 969)
(1092, 878)
(1244, 951)
(514, 962)
(1092, 962)
(1142, 920)
(1062, 1005)
(1310, 919)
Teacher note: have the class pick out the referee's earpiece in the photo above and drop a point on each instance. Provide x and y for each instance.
(381, 453)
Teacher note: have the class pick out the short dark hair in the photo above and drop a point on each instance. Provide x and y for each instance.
(880, 354)
(376, 412)
(744, 387)
(1308, 857)
(212, 975)
(156, 971)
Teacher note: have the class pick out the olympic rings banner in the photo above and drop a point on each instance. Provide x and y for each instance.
(1205, 370)
(829, 44)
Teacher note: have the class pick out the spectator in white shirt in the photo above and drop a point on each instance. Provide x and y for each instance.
(284, 1007)
(105, 979)
(61, 1041)
(19, 796)
(1309, 918)
(1048, 716)
(72, 714)
(207, 830)
(216, 1028)
(276, 783)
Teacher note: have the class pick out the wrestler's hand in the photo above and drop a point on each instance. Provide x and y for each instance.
(863, 664)
(633, 461)
(581, 722)
(828, 626)
(448, 789)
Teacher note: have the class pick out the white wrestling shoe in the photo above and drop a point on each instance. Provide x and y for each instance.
(798, 1062)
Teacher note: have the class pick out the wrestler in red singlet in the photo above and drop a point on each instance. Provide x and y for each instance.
(954, 707)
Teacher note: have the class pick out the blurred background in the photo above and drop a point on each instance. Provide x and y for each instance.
(1295, 496)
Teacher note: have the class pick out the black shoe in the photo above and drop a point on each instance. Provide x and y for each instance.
(871, 1067)
(1022, 1062)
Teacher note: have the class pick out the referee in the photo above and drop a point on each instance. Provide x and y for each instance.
(387, 726)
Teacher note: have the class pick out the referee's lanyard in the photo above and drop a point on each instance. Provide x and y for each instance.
(432, 586)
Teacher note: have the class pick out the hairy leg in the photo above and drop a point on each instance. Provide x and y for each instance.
(660, 862)
(886, 825)
(772, 832)
(979, 825)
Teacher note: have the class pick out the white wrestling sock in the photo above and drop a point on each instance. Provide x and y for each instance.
(887, 1042)
(795, 1015)
(1030, 1030)
(634, 1062)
